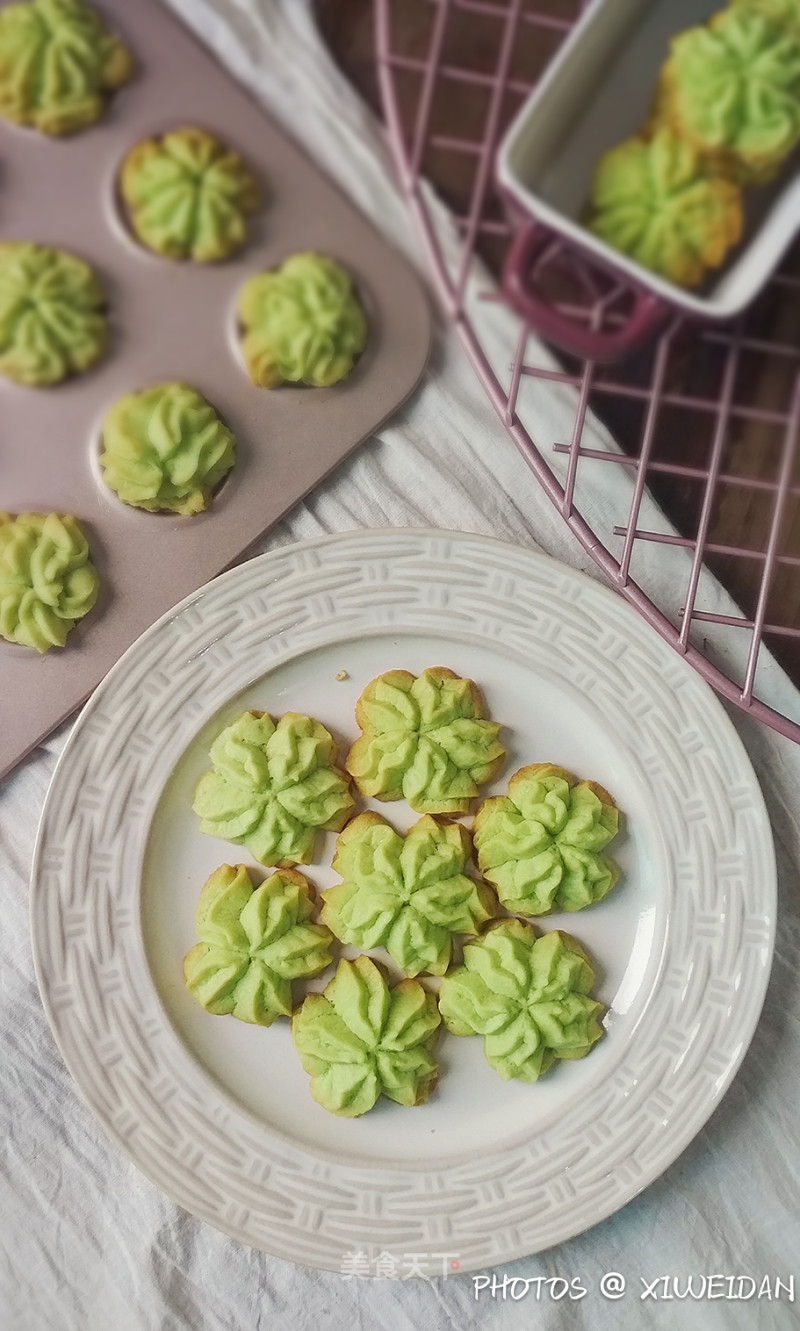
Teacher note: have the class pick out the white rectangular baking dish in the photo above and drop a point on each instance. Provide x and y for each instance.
(596, 93)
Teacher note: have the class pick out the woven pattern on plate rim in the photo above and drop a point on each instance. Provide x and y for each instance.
(146, 1089)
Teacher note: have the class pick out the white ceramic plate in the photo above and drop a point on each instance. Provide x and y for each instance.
(218, 1113)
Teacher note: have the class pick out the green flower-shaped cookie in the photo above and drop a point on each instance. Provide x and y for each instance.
(733, 89)
(253, 944)
(360, 1039)
(425, 739)
(165, 448)
(58, 62)
(409, 894)
(273, 787)
(52, 320)
(659, 201)
(526, 995)
(47, 580)
(301, 323)
(189, 195)
(541, 845)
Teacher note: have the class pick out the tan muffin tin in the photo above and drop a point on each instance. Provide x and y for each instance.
(172, 320)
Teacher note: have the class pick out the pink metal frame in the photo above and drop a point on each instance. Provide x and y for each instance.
(411, 137)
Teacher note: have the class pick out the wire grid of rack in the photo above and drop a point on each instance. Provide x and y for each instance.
(707, 419)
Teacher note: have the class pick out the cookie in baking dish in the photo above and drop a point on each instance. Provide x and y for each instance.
(273, 786)
(47, 579)
(732, 88)
(58, 64)
(542, 845)
(408, 894)
(188, 195)
(301, 323)
(661, 202)
(527, 995)
(52, 314)
(165, 449)
(254, 941)
(425, 739)
(361, 1039)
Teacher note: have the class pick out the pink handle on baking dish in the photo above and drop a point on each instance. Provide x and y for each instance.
(648, 313)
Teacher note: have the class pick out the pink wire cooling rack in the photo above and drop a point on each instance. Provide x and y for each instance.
(707, 419)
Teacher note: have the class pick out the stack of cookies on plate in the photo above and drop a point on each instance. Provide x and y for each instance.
(447, 907)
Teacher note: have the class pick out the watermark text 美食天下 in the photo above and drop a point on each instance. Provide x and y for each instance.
(384, 1265)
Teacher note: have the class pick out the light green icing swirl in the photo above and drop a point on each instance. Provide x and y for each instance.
(253, 943)
(424, 740)
(52, 321)
(541, 845)
(409, 895)
(526, 995)
(58, 62)
(733, 88)
(47, 580)
(360, 1039)
(189, 195)
(165, 448)
(273, 787)
(662, 204)
(302, 323)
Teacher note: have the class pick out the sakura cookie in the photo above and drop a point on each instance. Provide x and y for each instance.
(541, 845)
(361, 1039)
(59, 62)
(661, 202)
(732, 88)
(301, 323)
(165, 449)
(52, 314)
(273, 787)
(254, 941)
(527, 995)
(425, 739)
(188, 195)
(47, 579)
(408, 894)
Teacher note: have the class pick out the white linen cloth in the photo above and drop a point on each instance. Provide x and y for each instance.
(88, 1244)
